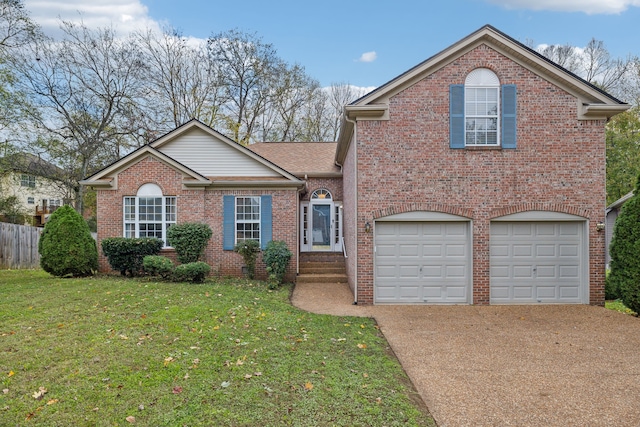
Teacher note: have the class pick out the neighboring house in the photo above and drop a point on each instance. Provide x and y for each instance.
(611, 214)
(476, 177)
(26, 178)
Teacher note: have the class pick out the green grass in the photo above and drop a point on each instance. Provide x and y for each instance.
(618, 305)
(224, 353)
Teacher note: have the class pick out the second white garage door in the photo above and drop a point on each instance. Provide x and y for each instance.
(422, 262)
(537, 262)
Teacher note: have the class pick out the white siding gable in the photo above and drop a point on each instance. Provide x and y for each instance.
(209, 156)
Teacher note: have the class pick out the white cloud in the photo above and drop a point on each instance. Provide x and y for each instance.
(591, 7)
(124, 15)
(368, 57)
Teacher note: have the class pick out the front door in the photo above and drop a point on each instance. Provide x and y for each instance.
(320, 224)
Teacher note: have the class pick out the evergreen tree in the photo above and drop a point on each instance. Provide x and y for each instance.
(624, 277)
(66, 247)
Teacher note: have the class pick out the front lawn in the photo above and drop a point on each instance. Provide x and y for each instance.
(108, 351)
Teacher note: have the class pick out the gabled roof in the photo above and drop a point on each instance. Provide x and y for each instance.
(618, 203)
(594, 102)
(31, 164)
(107, 177)
(310, 159)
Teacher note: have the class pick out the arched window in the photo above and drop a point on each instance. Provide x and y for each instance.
(482, 107)
(321, 194)
(482, 113)
(149, 213)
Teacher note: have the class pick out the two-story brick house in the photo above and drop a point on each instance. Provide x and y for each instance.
(478, 176)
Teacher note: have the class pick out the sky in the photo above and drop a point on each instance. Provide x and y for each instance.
(364, 43)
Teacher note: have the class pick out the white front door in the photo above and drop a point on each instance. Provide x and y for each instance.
(320, 225)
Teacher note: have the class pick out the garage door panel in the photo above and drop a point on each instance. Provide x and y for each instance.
(522, 250)
(408, 250)
(432, 251)
(385, 250)
(569, 250)
(409, 272)
(422, 262)
(551, 271)
(455, 250)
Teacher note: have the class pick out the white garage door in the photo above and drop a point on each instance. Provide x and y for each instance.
(537, 262)
(422, 262)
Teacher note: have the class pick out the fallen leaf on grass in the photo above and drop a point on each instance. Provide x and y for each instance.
(11, 373)
(168, 360)
(308, 386)
(131, 419)
(40, 393)
(247, 376)
(362, 346)
(225, 384)
(5, 391)
(177, 390)
(52, 401)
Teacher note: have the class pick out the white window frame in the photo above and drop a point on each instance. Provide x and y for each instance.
(477, 86)
(161, 219)
(27, 180)
(242, 218)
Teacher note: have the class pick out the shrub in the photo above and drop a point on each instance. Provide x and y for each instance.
(156, 265)
(249, 249)
(276, 256)
(194, 272)
(625, 250)
(125, 254)
(189, 240)
(66, 247)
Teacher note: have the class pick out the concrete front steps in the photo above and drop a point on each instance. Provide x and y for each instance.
(322, 267)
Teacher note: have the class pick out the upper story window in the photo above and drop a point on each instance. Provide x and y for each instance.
(149, 213)
(28, 181)
(482, 113)
(31, 200)
(481, 109)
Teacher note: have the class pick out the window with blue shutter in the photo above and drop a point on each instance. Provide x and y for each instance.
(482, 113)
(247, 218)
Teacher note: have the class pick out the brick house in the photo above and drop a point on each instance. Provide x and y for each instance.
(476, 177)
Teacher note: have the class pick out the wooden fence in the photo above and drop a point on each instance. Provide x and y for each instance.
(19, 246)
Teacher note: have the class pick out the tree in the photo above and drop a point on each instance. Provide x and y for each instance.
(247, 68)
(180, 80)
(623, 153)
(84, 89)
(624, 277)
(66, 247)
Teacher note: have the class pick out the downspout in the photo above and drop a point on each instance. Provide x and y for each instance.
(355, 216)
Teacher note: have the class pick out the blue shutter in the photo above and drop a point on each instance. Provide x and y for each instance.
(509, 116)
(266, 221)
(456, 116)
(228, 222)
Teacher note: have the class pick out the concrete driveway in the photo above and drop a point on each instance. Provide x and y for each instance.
(553, 365)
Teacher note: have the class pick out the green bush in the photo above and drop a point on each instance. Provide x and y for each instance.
(125, 254)
(625, 251)
(249, 249)
(189, 240)
(66, 247)
(194, 272)
(276, 256)
(156, 265)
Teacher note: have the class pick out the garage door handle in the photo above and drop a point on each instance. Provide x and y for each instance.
(535, 271)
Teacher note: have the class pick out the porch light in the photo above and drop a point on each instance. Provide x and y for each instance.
(600, 226)
(367, 227)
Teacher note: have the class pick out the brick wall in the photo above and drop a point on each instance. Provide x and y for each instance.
(406, 164)
(196, 206)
